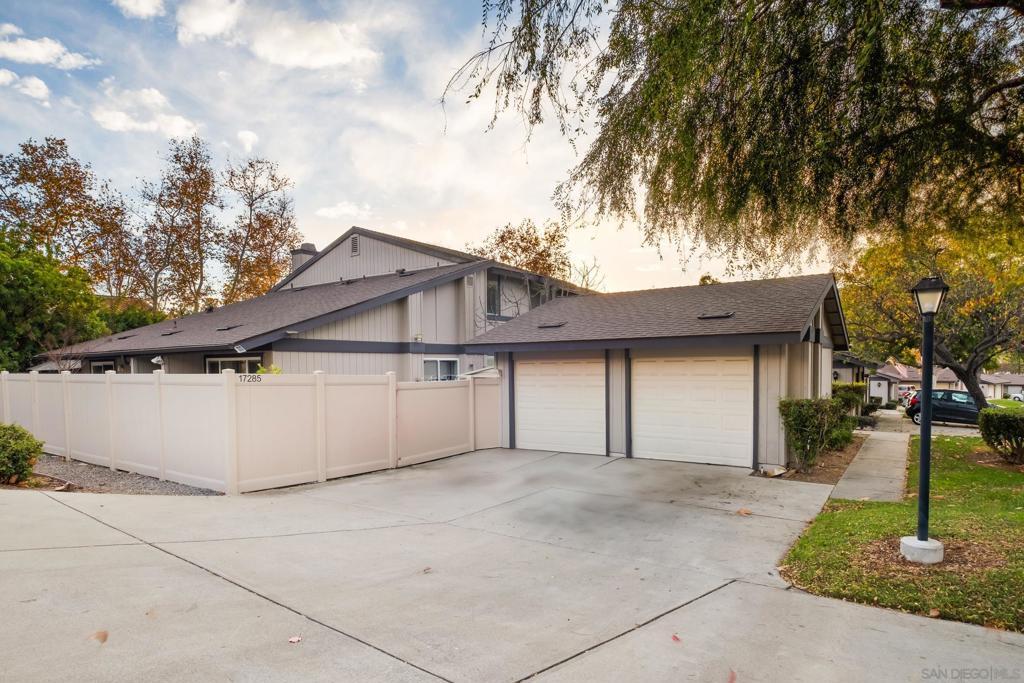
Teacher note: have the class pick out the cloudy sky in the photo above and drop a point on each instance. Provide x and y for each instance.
(343, 95)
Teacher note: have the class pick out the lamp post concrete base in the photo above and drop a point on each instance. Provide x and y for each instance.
(921, 552)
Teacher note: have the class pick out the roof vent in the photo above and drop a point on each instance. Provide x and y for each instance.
(126, 336)
(400, 271)
(547, 326)
(355, 245)
(168, 334)
(229, 327)
(716, 316)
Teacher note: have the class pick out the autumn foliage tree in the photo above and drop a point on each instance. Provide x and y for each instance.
(57, 200)
(256, 247)
(982, 316)
(542, 251)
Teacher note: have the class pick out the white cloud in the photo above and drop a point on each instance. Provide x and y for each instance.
(276, 37)
(146, 110)
(288, 42)
(248, 139)
(39, 51)
(202, 19)
(30, 86)
(345, 209)
(140, 9)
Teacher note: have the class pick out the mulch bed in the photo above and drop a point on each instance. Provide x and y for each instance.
(986, 458)
(882, 558)
(830, 466)
(42, 482)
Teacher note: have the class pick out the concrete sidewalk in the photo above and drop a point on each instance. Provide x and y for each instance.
(493, 566)
(879, 472)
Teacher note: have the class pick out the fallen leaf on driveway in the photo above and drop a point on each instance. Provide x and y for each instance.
(427, 570)
(732, 676)
(933, 612)
(676, 638)
(295, 639)
(744, 511)
(100, 636)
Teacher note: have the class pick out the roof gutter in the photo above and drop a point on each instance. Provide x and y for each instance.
(639, 343)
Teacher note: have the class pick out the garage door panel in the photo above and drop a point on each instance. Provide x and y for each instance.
(560, 405)
(694, 409)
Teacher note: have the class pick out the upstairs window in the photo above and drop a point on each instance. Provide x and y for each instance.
(493, 294)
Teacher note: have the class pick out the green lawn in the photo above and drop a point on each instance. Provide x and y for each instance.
(1006, 403)
(851, 550)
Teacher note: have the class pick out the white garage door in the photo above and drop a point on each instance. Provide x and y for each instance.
(694, 409)
(560, 405)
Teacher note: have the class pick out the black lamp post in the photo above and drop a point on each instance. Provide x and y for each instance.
(928, 293)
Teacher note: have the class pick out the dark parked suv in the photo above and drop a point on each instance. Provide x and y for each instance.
(947, 406)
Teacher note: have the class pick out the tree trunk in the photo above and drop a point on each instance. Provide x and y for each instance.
(970, 380)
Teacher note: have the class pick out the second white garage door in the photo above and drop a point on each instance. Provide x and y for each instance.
(560, 405)
(694, 409)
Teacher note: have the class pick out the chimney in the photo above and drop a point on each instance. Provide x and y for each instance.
(302, 254)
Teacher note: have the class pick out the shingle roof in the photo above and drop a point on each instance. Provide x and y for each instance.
(251, 322)
(782, 305)
(431, 249)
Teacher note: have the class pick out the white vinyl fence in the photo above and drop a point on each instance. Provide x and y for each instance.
(238, 433)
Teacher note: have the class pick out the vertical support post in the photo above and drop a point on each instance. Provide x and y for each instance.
(757, 404)
(34, 379)
(108, 382)
(629, 404)
(231, 425)
(6, 404)
(321, 425)
(472, 413)
(511, 360)
(925, 469)
(158, 385)
(392, 420)
(65, 393)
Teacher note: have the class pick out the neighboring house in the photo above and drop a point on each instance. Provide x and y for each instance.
(848, 368)
(893, 378)
(687, 373)
(1013, 383)
(367, 304)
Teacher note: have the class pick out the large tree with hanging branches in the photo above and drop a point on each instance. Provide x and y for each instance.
(761, 127)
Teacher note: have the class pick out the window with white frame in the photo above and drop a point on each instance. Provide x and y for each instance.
(98, 367)
(243, 365)
(440, 369)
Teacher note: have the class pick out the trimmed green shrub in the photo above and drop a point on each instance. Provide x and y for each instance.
(809, 423)
(1003, 431)
(841, 434)
(867, 421)
(890, 405)
(850, 394)
(868, 408)
(875, 400)
(19, 451)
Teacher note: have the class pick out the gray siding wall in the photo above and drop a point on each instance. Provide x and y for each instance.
(184, 363)
(384, 323)
(374, 258)
(305, 362)
(772, 387)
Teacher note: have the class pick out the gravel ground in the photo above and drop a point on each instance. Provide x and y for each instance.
(96, 479)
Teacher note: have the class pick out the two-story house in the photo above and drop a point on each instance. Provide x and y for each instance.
(368, 303)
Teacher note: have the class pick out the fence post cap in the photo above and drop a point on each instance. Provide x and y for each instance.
(319, 372)
(33, 372)
(4, 372)
(65, 372)
(227, 371)
(109, 372)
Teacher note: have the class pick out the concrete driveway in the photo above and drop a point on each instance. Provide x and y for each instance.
(497, 565)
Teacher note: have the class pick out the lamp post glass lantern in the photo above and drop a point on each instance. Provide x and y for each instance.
(928, 293)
